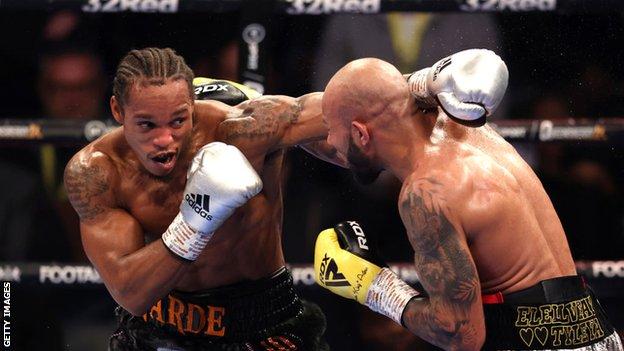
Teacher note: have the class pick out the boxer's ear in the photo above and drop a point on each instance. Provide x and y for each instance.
(116, 109)
(360, 134)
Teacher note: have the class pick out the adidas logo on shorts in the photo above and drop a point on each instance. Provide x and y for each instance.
(200, 204)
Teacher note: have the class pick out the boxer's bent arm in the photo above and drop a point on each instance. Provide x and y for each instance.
(451, 316)
(136, 275)
(273, 122)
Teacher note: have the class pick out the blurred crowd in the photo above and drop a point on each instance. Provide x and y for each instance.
(60, 66)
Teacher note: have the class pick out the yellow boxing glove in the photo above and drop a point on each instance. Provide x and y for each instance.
(226, 91)
(346, 264)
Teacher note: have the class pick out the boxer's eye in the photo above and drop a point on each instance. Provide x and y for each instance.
(178, 122)
(145, 125)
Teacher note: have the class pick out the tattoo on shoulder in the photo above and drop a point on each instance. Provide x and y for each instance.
(263, 117)
(445, 266)
(83, 184)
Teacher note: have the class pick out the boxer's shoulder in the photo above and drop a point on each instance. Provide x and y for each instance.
(210, 111)
(436, 180)
(89, 178)
(207, 117)
(426, 189)
(108, 151)
(91, 160)
(465, 190)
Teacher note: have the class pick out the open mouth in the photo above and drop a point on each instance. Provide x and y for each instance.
(164, 157)
(165, 160)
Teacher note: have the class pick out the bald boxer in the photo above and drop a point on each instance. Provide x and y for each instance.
(185, 230)
(495, 269)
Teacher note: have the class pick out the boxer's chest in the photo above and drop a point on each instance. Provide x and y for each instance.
(154, 202)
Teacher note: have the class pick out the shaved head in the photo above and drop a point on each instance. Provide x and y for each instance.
(365, 89)
(363, 98)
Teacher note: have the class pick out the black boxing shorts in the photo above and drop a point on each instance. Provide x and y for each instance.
(554, 314)
(264, 314)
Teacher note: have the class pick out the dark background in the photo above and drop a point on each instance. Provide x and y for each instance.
(561, 66)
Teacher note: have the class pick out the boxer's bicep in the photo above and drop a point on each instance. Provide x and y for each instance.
(107, 240)
(108, 233)
(451, 316)
(307, 124)
(274, 122)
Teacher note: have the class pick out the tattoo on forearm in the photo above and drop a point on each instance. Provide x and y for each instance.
(264, 117)
(446, 270)
(82, 185)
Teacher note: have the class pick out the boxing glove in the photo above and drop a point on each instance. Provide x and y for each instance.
(219, 180)
(345, 263)
(468, 85)
(226, 91)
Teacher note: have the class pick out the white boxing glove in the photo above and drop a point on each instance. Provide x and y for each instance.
(468, 85)
(219, 180)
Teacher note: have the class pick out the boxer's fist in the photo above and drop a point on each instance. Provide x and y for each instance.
(468, 85)
(345, 262)
(219, 180)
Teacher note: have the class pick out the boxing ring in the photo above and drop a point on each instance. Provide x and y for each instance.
(606, 277)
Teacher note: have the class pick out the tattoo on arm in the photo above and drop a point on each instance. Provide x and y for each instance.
(263, 117)
(445, 266)
(83, 184)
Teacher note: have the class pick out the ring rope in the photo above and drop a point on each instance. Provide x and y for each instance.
(609, 275)
(609, 130)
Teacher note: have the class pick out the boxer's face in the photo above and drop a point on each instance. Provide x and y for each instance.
(157, 123)
(340, 136)
(363, 168)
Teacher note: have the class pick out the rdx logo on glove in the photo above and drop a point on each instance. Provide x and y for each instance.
(360, 234)
(210, 87)
(200, 204)
(329, 275)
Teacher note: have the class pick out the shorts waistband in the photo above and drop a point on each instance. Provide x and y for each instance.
(560, 313)
(236, 312)
(546, 291)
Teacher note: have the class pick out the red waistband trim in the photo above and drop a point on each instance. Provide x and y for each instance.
(496, 298)
(492, 299)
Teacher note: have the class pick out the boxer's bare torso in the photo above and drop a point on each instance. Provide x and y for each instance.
(494, 201)
(117, 198)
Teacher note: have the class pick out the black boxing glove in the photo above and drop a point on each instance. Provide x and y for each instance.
(226, 91)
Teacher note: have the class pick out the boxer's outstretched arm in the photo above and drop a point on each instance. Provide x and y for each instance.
(451, 316)
(135, 274)
(273, 122)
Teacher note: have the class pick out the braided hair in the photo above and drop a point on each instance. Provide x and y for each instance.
(154, 66)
